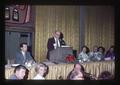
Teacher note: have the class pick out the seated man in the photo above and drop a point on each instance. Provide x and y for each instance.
(19, 73)
(41, 70)
(23, 55)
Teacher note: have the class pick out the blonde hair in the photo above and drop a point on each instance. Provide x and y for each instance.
(40, 65)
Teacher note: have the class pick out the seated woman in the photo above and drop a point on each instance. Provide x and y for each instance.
(77, 68)
(101, 53)
(41, 70)
(78, 73)
(93, 54)
(110, 55)
(77, 76)
(84, 55)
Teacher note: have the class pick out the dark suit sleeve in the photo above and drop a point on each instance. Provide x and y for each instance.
(50, 44)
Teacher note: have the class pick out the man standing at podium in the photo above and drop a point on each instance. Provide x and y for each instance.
(53, 42)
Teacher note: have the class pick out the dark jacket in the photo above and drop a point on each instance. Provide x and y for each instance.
(50, 45)
(20, 58)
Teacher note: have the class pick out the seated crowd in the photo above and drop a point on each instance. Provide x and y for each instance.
(23, 58)
(78, 73)
(98, 54)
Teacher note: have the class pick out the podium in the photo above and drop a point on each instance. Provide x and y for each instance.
(59, 54)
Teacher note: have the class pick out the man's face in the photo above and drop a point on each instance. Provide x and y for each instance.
(24, 48)
(20, 73)
(57, 35)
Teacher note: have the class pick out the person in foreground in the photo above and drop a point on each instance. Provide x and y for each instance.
(19, 73)
(41, 70)
(23, 56)
(78, 73)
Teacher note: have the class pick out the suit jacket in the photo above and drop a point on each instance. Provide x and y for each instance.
(51, 41)
(20, 58)
(50, 45)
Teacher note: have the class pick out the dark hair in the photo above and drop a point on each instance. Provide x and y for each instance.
(17, 68)
(87, 49)
(111, 47)
(21, 45)
(82, 68)
(102, 48)
(70, 75)
(61, 35)
(105, 75)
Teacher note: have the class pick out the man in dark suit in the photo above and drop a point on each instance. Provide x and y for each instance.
(23, 56)
(54, 42)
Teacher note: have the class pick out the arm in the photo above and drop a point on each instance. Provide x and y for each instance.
(29, 57)
(50, 44)
(18, 59)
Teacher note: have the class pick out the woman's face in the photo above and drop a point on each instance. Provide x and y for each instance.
(101, 50)
(41, 71)
(111, 49)
(84, 49)
(95, 49)
(77, 67)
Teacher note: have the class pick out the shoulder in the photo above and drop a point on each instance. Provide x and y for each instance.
(18, 52)
(38, 77)
(13, 77)
(51, 38)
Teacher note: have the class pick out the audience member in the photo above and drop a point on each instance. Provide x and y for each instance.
(77, 76)
(19, 73)
(77, 68)
(105, 76)
(41, 70)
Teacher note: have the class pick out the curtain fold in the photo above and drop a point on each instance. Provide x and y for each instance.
(99, 26)
(51, 18)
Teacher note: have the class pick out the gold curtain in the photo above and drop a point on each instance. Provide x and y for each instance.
(51, 18)
(99, 26)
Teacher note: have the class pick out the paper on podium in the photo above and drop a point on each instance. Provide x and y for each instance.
(65, 46)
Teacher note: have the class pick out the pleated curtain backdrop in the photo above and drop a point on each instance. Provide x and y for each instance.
(51, 18)
(99, 26)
